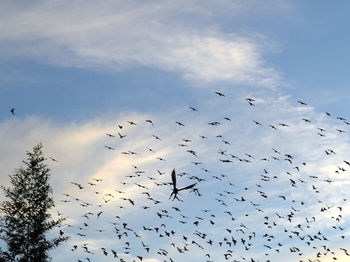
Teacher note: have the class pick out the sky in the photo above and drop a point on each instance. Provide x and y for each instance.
(266, 72)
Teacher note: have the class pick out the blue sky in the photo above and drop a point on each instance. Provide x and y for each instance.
(76, 70)
(307, 46)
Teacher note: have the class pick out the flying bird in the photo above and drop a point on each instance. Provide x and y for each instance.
(179, 123)
(149, 121)
(12, 111)
(121, 136)
(53, 159)
(175, 189)
(219, 94)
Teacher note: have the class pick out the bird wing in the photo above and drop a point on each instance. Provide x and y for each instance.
(187, 187)
(173, 177)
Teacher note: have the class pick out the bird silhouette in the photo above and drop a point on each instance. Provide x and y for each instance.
(302, 103)
(219, 94)
(175, 189)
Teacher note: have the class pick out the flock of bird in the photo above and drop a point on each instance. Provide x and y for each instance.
(216, 215)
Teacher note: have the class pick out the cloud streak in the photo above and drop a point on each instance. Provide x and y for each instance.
(120, 35)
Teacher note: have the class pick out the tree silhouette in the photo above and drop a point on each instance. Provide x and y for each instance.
(25, 219)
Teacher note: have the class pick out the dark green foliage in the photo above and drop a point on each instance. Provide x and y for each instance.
(25, 219)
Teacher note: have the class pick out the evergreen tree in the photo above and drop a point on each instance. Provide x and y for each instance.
(25, 219)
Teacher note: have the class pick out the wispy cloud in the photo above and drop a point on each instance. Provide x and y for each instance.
(176, 36)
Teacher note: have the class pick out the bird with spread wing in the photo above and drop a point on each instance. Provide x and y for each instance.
(175, 189)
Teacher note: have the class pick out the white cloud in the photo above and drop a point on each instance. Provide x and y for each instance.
(79, 148)
(118, 34)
